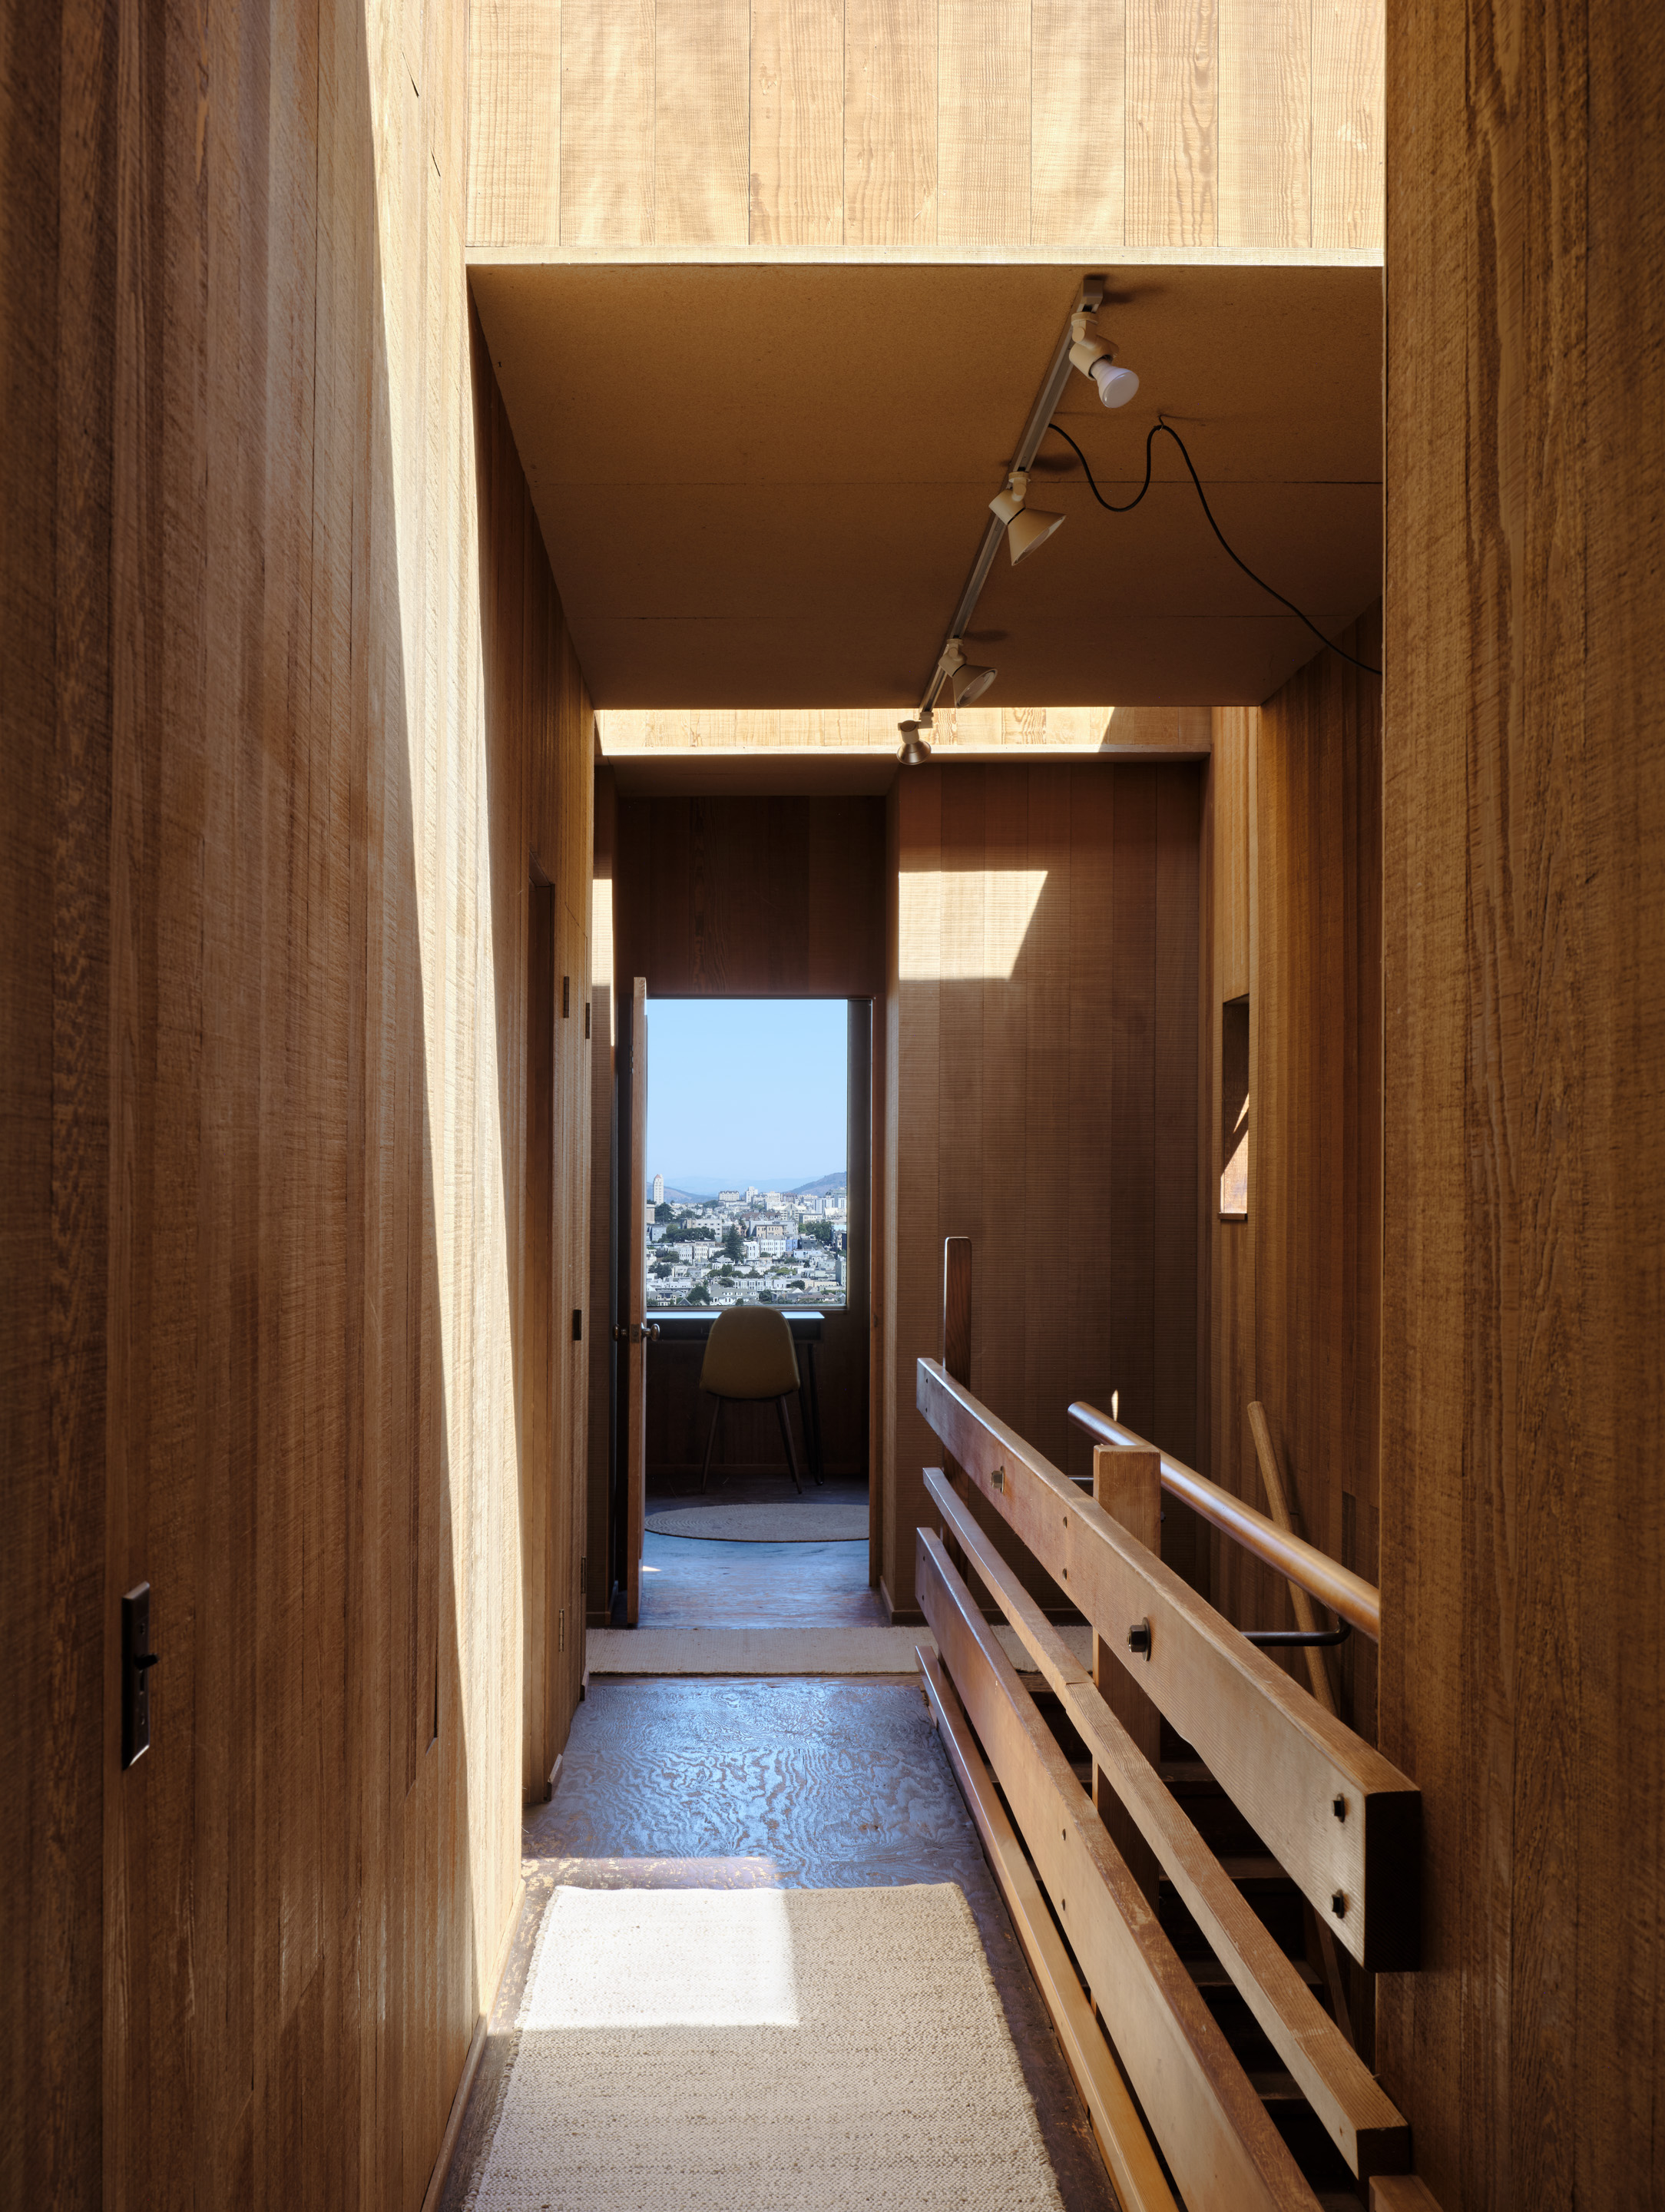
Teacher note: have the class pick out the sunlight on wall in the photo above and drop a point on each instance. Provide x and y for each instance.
(964, 923)
(663, 1957)
(431, 687)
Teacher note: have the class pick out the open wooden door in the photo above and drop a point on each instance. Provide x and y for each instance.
(634, 1209)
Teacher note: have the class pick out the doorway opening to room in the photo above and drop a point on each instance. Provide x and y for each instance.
(754, 1222)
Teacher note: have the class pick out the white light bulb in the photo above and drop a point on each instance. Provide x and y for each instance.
(1116, 386)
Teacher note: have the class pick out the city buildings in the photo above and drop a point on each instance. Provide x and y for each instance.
(776, 1248)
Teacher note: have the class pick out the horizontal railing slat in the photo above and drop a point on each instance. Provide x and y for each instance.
(1345, 1594)
(1222, 2147)
(1342, 1822)
(1356, 2111)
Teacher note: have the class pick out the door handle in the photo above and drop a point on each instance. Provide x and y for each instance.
(636, 1332)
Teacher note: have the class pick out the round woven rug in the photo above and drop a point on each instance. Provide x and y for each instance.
(806, 1520)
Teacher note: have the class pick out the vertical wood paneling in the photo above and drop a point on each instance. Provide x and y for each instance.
(1266, 122)
(1348, 169)
(607, 123)
(983, 123)
(701, 132)
(1174, 1181)
(277, 653)
(1078, 120)
(890, 122)
(514, 121)
(57, 660)
(970, 122)
(1129, 1250)
(751, 897)
(1172, 93)
(797, 134)
(1524, 1538)
(1026, 1101)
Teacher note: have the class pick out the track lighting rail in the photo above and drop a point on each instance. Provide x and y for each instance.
(1079, 346)
(1087, 300)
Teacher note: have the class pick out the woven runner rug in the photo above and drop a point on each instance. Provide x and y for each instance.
(756, 2050)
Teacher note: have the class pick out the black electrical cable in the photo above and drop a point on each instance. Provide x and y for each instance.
(1110, 508)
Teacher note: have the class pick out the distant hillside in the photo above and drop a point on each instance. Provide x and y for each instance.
(819, 1189)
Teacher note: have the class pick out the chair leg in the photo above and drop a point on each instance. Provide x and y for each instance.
(785, 1432)
(716, 1416)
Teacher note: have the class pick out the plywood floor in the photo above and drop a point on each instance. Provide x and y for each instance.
(807, 1784)
(689, 1584)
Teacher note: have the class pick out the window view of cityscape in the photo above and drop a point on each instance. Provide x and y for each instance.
(746, 1142)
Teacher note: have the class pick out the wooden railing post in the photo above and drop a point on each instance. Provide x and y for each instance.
(957, 1362)
(1127, 1481)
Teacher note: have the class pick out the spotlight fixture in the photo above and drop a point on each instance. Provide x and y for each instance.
(914, 749)
(967, 681)
(1095, 359)
(1026, 527)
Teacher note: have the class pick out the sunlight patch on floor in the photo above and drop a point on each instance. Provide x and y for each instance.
(665, 1957)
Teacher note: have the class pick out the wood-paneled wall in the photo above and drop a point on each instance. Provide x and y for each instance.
(1292, 898)
(1523, 1361)
(539, 735)
(276, 782)
(752, 898)
(910, 122)
(1040, 1069)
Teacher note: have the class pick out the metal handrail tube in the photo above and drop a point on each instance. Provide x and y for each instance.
(1332, 1585)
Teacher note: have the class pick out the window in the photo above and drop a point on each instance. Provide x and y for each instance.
(747, 1201)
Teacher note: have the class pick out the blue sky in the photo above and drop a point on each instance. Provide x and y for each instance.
(745, 1090)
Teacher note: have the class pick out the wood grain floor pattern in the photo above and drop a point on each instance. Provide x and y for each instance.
(694, 1585)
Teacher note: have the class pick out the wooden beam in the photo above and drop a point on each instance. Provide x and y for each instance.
(1355, 2114)
(1222, 2149)
(1128, 2151)
(1342, 1822)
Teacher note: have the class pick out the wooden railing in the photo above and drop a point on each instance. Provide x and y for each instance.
(1345, 1593)
(1339, 1819)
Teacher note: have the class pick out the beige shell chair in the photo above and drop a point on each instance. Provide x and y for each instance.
(749, 1355)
